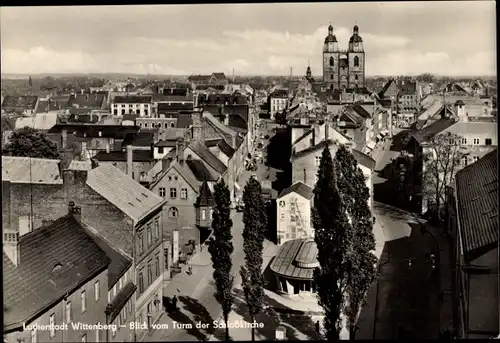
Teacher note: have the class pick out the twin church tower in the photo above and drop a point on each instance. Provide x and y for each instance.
(343, 69)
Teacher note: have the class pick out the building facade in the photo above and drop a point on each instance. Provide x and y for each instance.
(343, 69)
(139, 105)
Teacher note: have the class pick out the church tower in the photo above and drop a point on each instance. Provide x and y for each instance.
(331, 60)
(308, 72)
(356, 55)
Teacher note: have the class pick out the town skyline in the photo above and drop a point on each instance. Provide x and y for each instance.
(405, 39)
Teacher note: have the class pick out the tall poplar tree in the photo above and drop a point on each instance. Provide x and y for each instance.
(331, 227)
(360, 258)
(255, 220)
(221, 248)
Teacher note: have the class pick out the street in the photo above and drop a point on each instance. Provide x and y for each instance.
(195, 292)
(405, 302)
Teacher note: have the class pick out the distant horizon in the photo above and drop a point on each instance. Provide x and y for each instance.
(399, 38)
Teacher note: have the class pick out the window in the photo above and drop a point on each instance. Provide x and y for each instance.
(317, 160)
(356, 77)
(84, 338)
(115, 112)
(141, 243)
(123, 111)
(475, 158)
(175, 178)
(157, 229)
(331, 76)
(34, 336)
(124, 314)
(173, 193)
(162, 192)
(282, 215)
(160, 150)
(150, 274)
(463, 141)
(166, 125)
(52, 322)
(157, 265)
(203, 215)
(464, 161)
(141, 282)
(145, 112)
(173, 212)
(138, 111)
(172, 124)
(129, 305)
(184, 193)
(356, 61)
(476, 141)
(169, 178)
(113, 331)
(83, 297)
(332, 62)
(97, 291)
(109, 297)
(68, 312)
(150, 234)
(115, 290)
(145, 124)
(487, 141)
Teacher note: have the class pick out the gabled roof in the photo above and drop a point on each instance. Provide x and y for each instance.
(300, 188)
(130, 197)
(142, 139)
(88, 100)
(40, 121)
(200, 171)
(168, 143)
(132, 99)
(217, 124)
(279, 93)
(427, 132)
(477, 205)
(361, 111)
(199, 78)
(363, 159)
(54, 260)
(26, 102)
(206, 155)
(43, 171)
(206, 198)
(382, 92)
(225, 148)
(174, 107)
(219, 76)
(48, 105)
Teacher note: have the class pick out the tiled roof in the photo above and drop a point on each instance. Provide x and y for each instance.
(279, 93)
(48, 105)
(121, 156)
(184, 121)
(217, 124)
(199, 78)
(88, 100)
(226, 148)
(223, 99)
(206, 155)
(43, 171)
(132, 99)
(177, 91)
(41, 121)
(363, 159)
(83, 118)
(172, 97)
(477, 205)
(111, 131)
(200, 171)
(427, 132)
(219, 76)
(130, 197)
(138, 139)
(119, 263)
(174, 107)
(471, 128)
(285, 262)
(206, 198)
(54, 260)
(300, 188)
(212, 142)
(27, 102)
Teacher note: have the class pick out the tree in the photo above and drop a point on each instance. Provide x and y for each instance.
(426, 77)
(443, 156)
(331, 229)
(361, 261)
(29, 142)
(221, 248)
(255, 220)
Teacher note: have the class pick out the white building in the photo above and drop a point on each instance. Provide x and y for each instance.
(277, 102)
(139, 105)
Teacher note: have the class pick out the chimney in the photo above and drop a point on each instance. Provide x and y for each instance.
(180, 150)
(71, 207)
(108, 148)
(226, 119)
(233, 140)
(13, 250)
(64, 136)
(165, 163)
(129, 160)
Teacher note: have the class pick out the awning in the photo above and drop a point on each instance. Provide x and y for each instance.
(370, 145)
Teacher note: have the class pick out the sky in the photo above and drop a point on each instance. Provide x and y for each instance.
(454, 38)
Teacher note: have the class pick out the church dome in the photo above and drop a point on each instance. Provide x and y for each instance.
(355, 38)
(331, 39)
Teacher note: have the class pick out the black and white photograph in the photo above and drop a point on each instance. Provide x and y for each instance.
(250, 172)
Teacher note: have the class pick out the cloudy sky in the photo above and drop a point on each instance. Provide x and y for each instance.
(446, 38)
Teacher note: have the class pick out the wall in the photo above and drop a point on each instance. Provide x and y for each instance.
(276, 105)
(142, 110)
(161, 123)
(139, 169)
(126, 315)
(157, 155)
(94, 314)
(289, 208)
(186, 220)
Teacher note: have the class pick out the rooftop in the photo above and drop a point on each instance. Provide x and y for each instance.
(300, 188)
(131, 198)
(207, 156)
(121, 156)
(296, 259)
(132, 99)
(200, 171)
(43, 171)
(54, 260)
(477, 205)
(40, 121)
(206, 198)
